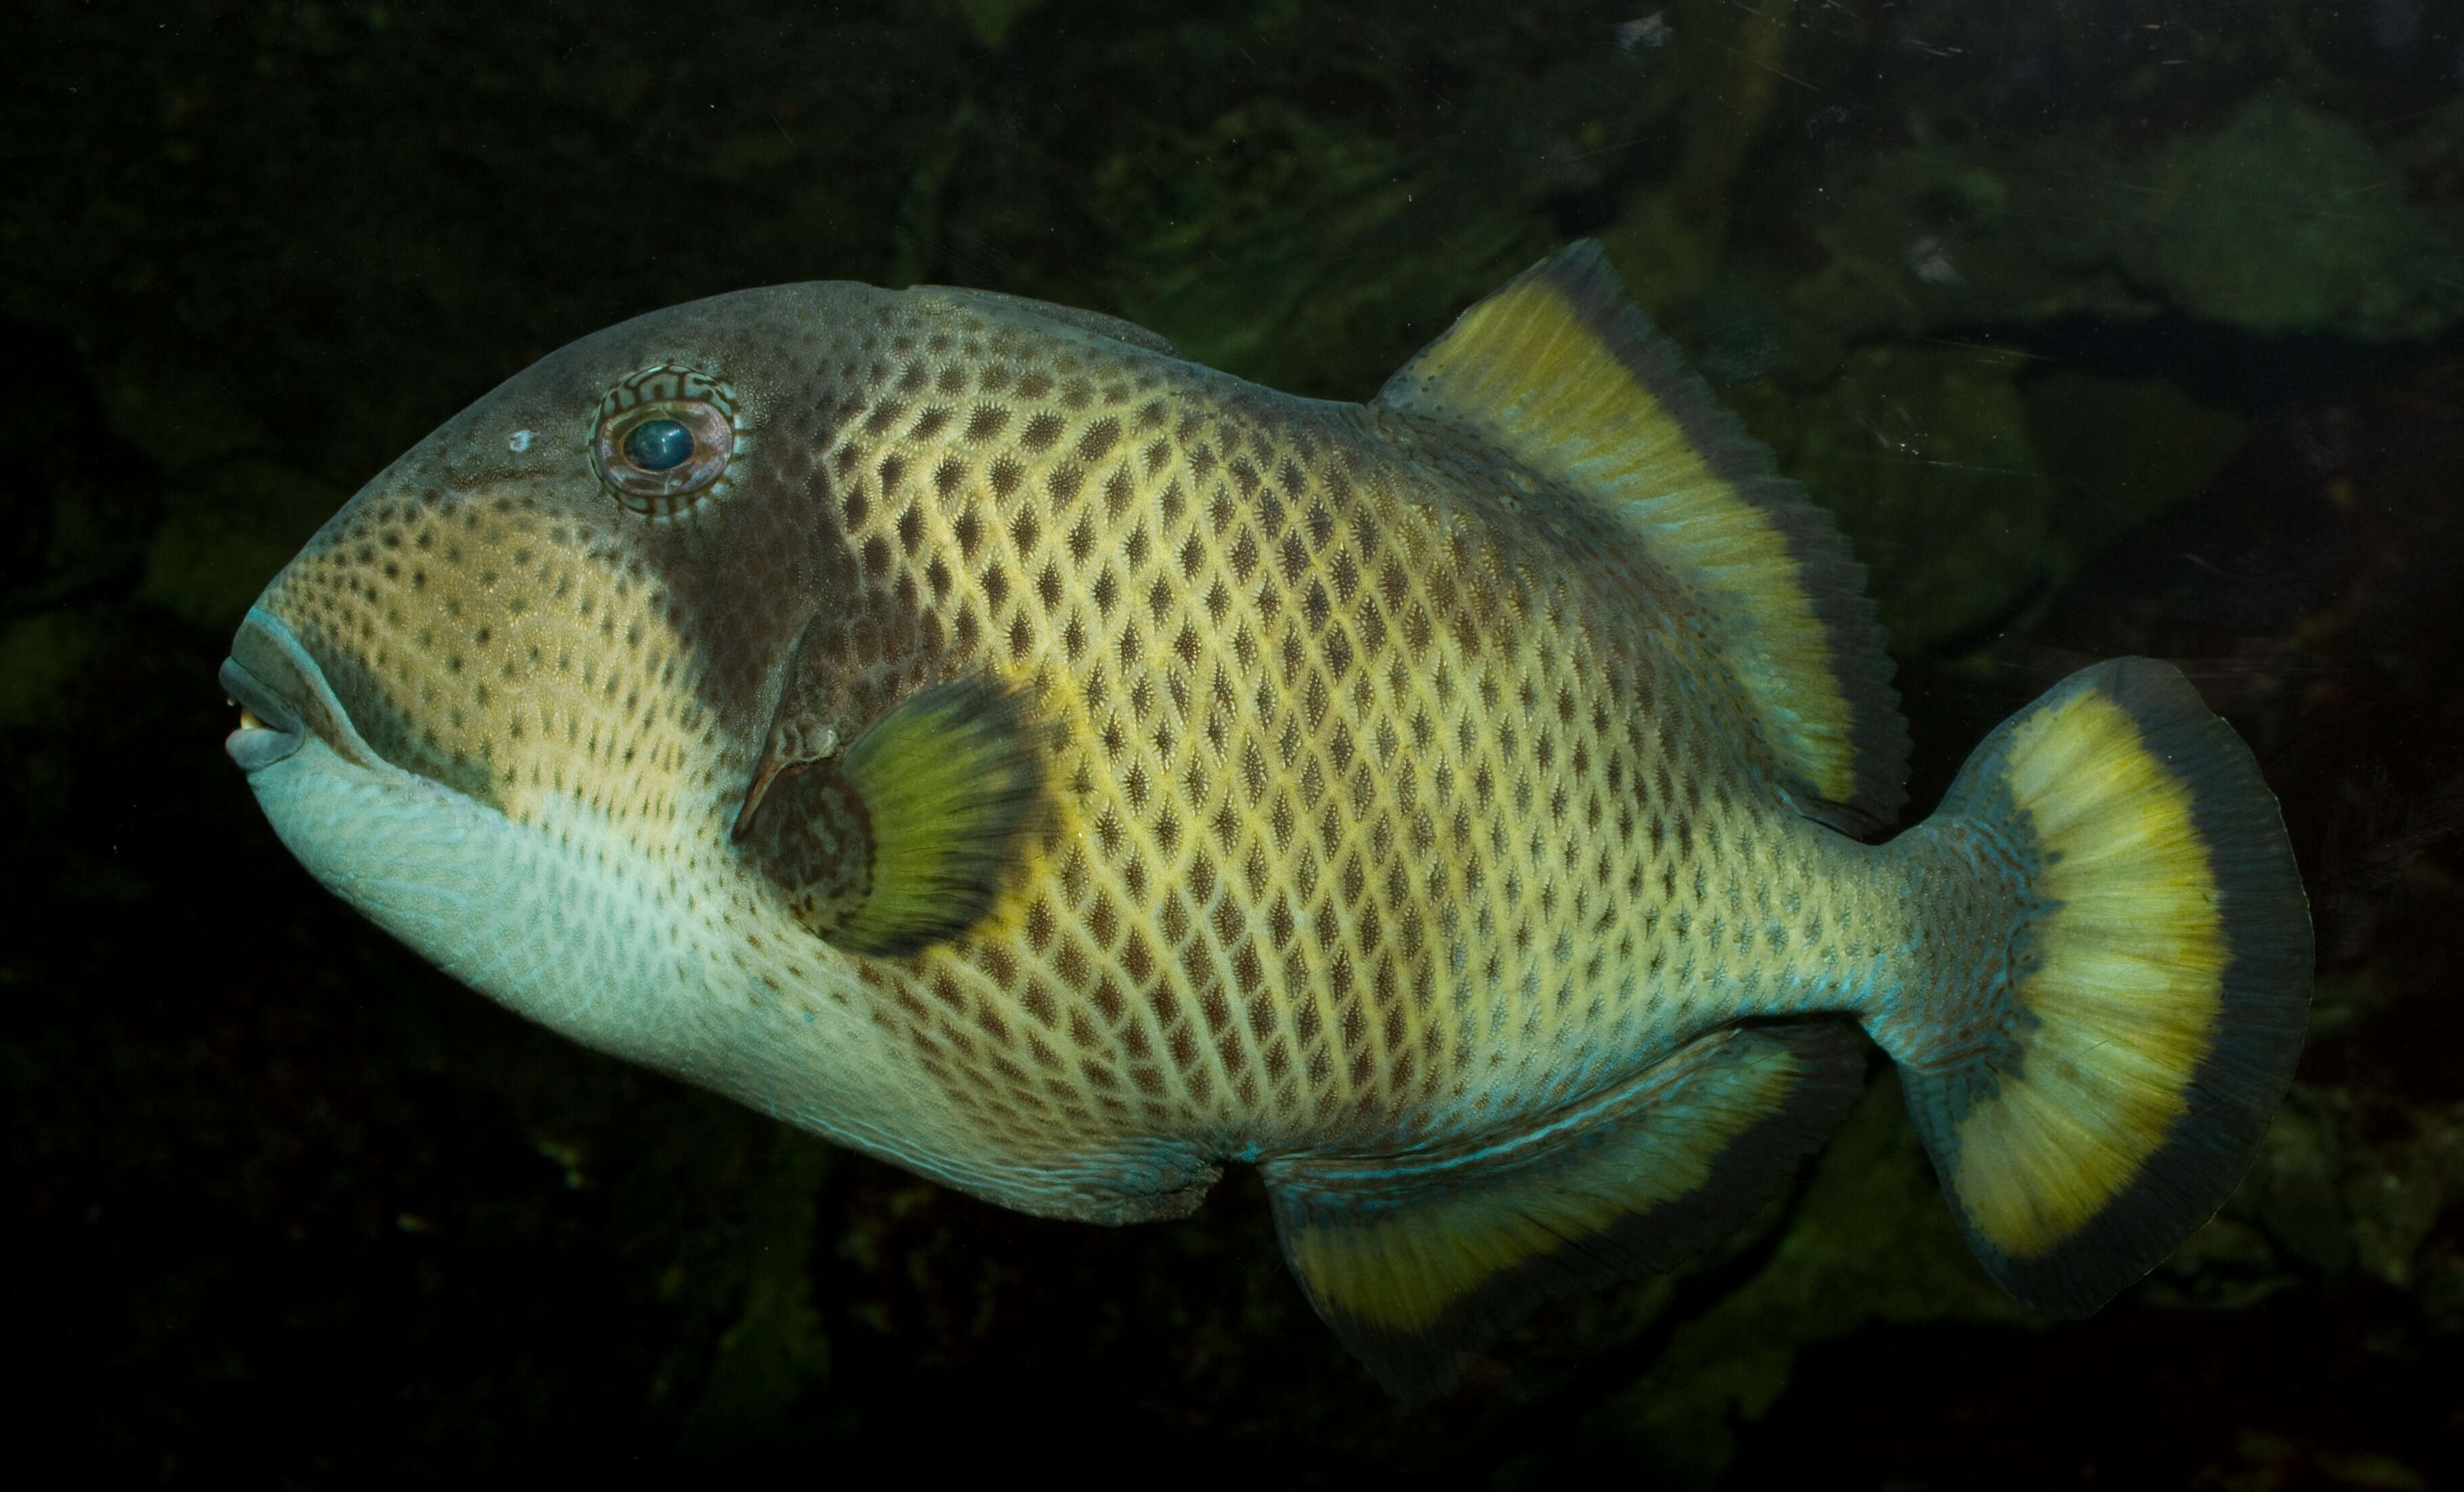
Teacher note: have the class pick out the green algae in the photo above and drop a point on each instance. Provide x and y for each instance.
(2290, 219)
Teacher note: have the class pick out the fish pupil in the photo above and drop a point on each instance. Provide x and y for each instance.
(658, 445)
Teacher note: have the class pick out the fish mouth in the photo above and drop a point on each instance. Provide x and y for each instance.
(283, 699)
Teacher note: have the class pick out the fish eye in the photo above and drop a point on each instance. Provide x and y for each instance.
(665, 438)
(659, 445)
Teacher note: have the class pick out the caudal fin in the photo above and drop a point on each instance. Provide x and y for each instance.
(2144, 1010)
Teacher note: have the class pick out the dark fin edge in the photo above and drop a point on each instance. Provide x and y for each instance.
(1832, 579)
(953, 781)
(1744, 1175)
(2263, 1013)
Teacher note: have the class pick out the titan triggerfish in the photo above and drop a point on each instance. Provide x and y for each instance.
(966, 729)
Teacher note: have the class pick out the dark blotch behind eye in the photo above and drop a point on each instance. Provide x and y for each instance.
(658, 445)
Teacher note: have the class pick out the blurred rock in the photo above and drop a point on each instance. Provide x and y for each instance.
(2397, 1189)
(1870, 1241)
(777, 1352)
(2122, 451)
(2292, 1190)
(39, 656)
(2288, 219)
(76, 499)
(2283, 220)
(224, 535)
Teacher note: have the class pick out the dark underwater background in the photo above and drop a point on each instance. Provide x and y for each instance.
(2105, 326)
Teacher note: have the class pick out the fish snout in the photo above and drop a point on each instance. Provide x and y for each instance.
(284, 697)
(269, 728)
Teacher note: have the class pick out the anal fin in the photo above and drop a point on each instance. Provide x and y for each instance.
(1418, 1259)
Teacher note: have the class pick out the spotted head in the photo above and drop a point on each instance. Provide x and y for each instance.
(592, 699)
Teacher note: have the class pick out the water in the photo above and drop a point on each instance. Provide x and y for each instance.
(2106, 328)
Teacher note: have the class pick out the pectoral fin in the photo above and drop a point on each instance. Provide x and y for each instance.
(909, 836)
(1417, 1261)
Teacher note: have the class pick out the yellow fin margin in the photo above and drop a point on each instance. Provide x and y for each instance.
(953, 784)
(1561, 371)
(2127, 996)
(1417, 1260)
(2161, 986)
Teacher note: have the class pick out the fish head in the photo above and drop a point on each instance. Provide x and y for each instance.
(508, 702)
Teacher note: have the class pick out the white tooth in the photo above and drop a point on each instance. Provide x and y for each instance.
(248, 721)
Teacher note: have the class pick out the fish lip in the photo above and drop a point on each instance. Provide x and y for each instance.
(256, 747)
(275, 677)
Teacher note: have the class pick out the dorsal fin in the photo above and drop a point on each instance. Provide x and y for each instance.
(1560, 369)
